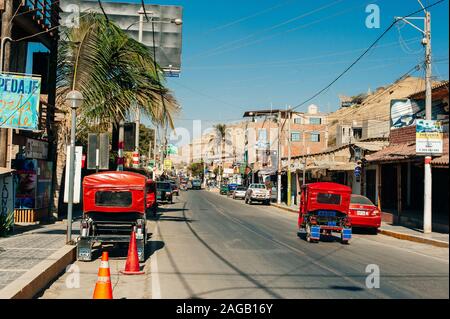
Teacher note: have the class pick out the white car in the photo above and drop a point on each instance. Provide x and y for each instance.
(257, 193)
(239, 192)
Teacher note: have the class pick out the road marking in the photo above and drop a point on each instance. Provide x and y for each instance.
(319, 264)
(268, 210)
(156, 288)
(13, 270)
(446, 261)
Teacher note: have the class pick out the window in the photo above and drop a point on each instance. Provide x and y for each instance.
(315, 120)
(113, 199)
(333, 199)
(315, 137)
(298, 120)
(296, 136)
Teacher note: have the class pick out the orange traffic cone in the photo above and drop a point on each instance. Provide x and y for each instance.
(132, 266)
(103, 287)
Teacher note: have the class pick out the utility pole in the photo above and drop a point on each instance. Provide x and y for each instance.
(279, 160)
(289, 181)
(427, 209)
(6, 133)
(426, 42)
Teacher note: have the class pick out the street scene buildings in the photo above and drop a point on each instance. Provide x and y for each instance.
(156, 139)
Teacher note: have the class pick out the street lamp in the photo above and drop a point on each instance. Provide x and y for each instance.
(141, 12)
(75, 98)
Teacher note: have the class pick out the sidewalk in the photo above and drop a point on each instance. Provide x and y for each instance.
(27, 250)
(397, 231)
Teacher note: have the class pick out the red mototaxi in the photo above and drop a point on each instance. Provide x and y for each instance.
(114, 204)
(324, 208)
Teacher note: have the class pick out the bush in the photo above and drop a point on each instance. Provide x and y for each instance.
(6, 224)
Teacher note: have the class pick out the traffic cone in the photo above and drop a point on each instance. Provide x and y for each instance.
(103, 287)
(132, 266)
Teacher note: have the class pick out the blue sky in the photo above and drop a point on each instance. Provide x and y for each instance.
(240, 55)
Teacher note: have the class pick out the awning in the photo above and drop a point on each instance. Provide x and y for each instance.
(268, 171)
(405, 151)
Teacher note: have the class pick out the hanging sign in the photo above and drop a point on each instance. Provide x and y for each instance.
(19, 101)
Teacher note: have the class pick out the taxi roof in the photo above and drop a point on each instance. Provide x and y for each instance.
(115, 179)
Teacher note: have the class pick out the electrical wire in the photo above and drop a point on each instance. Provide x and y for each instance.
(363, 54)
(145, 12)
(104, 13)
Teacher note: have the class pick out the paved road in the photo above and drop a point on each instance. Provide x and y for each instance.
(209, 246)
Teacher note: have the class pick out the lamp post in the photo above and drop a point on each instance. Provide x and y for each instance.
(76, 100)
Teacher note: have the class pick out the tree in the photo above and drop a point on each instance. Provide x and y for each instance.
(112, 71)
(220, 140)
(196, 169)
(146, 138)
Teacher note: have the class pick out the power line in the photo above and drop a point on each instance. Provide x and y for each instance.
(101, 8)
(145, 12)
(362, 55)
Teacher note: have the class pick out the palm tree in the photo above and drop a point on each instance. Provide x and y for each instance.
(112, 71)
(220, 139)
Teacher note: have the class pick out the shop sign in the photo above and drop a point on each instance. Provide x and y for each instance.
(429, 137)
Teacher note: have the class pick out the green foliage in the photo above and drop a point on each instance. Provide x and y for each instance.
(6, 224)
(112, 71)
(196, 169)
(146, 138)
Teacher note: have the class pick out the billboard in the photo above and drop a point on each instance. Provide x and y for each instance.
(19, 101)
(405, 112)
(429, 137)
(168, 36)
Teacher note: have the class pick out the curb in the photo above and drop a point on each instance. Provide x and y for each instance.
(37, 278)
(402, 236)
(417, 239)
(291, 210)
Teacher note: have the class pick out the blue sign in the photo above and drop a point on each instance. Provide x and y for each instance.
(358, 171)
(19, 101)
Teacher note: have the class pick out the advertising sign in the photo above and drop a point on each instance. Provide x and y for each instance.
(405, 112)
(19, 101)
(429, 137)
(167, 164)
(27, 172)
(7, 191)
(77, 175)
(172, 149)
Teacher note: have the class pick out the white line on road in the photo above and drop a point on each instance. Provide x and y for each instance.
(156, 288)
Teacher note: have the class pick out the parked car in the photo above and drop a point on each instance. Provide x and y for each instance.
(164, 192)
(114, 204)
(364, 213)
(239, 192)
(257, 193)
(196, 184)
(152, 204)
(224, 189)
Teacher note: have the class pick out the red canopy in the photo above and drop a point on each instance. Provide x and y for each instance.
(116, 179)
